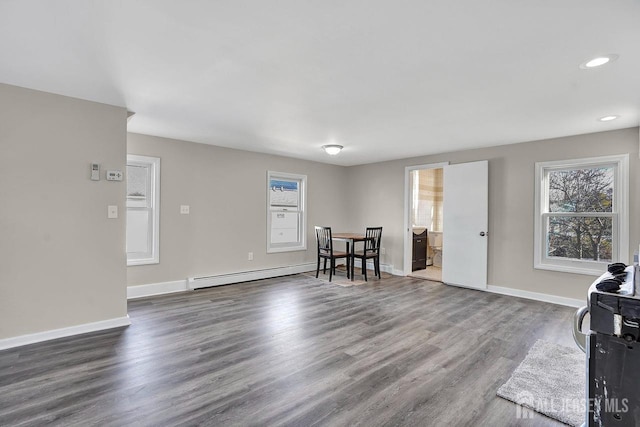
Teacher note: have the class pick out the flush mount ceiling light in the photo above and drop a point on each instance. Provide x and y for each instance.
(608, 118)
(332, 149)
(598, 61)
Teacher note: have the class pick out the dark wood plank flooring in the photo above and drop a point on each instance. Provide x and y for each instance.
(288, 351)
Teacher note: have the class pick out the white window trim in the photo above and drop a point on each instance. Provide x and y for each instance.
(620, 251)
(155, 200)
(303, 207)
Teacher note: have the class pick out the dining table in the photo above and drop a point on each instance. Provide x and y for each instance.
(350, 240)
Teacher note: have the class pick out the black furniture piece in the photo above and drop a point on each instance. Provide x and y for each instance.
(613, 352)
(371, 250)
(326, 252)
(419, 259)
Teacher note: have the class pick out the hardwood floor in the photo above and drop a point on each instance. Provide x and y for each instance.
(288, 351)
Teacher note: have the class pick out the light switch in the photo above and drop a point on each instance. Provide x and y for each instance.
(184, 209)
(112, 211)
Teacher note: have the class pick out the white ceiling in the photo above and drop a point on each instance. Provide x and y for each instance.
(386, 79)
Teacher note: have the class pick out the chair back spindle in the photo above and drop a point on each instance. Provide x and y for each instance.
(373, 236)
(324, 239)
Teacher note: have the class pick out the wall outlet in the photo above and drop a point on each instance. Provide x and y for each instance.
(184, 209)
(383, 251)
(250, 256)
(112, 211)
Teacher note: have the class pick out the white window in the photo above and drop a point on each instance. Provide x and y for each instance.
(143, 210)
(286, 212)
(427, 198)
(582, 214)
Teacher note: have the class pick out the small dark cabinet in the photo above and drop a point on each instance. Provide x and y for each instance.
(419, 260)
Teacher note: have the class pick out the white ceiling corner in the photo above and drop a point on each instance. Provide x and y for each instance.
(385, 79)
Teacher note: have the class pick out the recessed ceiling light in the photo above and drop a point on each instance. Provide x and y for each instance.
(598, 61)
(332, 149)
(608, 118)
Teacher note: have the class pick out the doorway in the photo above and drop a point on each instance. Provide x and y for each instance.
(463, 249)
(424, 224)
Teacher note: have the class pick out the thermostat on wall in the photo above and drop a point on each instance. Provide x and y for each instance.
(114, 175)
(95, 172)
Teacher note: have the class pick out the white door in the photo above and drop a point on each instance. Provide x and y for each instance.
(464, 225)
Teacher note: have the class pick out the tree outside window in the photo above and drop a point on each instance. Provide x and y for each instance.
(582, 223)
(580, 191)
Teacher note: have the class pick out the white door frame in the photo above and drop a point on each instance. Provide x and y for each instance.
(408, 238)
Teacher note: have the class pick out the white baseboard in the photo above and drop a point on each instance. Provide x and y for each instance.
(151, 289)
(387, 268)
(64, 332)
(554, 299)
(245, 276)
(391, 270)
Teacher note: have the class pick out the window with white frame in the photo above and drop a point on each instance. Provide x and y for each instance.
(143, 210)
(286, 212)
(582, 214)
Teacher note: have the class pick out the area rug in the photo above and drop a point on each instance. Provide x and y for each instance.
(340, 278)
(550, 380)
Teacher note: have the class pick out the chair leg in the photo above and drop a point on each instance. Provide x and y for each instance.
(348, 268)
(353, 264)
(324, 269)
(364, 268)
(331, 268)
(377, 264)
(318, 268)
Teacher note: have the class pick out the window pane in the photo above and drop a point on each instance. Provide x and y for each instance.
(284, 193)
(138, 231)
(284, 227)
(286, 216)
(138, 185)
(427, 196)
(581, 190)
(585, 238)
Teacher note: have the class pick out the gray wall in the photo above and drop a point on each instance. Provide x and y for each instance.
(378, 199)
(62, 262)
(226, 192)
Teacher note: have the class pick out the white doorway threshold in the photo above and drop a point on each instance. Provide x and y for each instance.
(432, 273)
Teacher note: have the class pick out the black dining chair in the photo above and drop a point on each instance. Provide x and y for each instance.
(326, 252)
(371, 250)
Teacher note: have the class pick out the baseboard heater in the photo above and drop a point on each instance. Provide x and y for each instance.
(246, 276)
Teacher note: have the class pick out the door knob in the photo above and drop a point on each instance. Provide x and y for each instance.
(482, 233)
